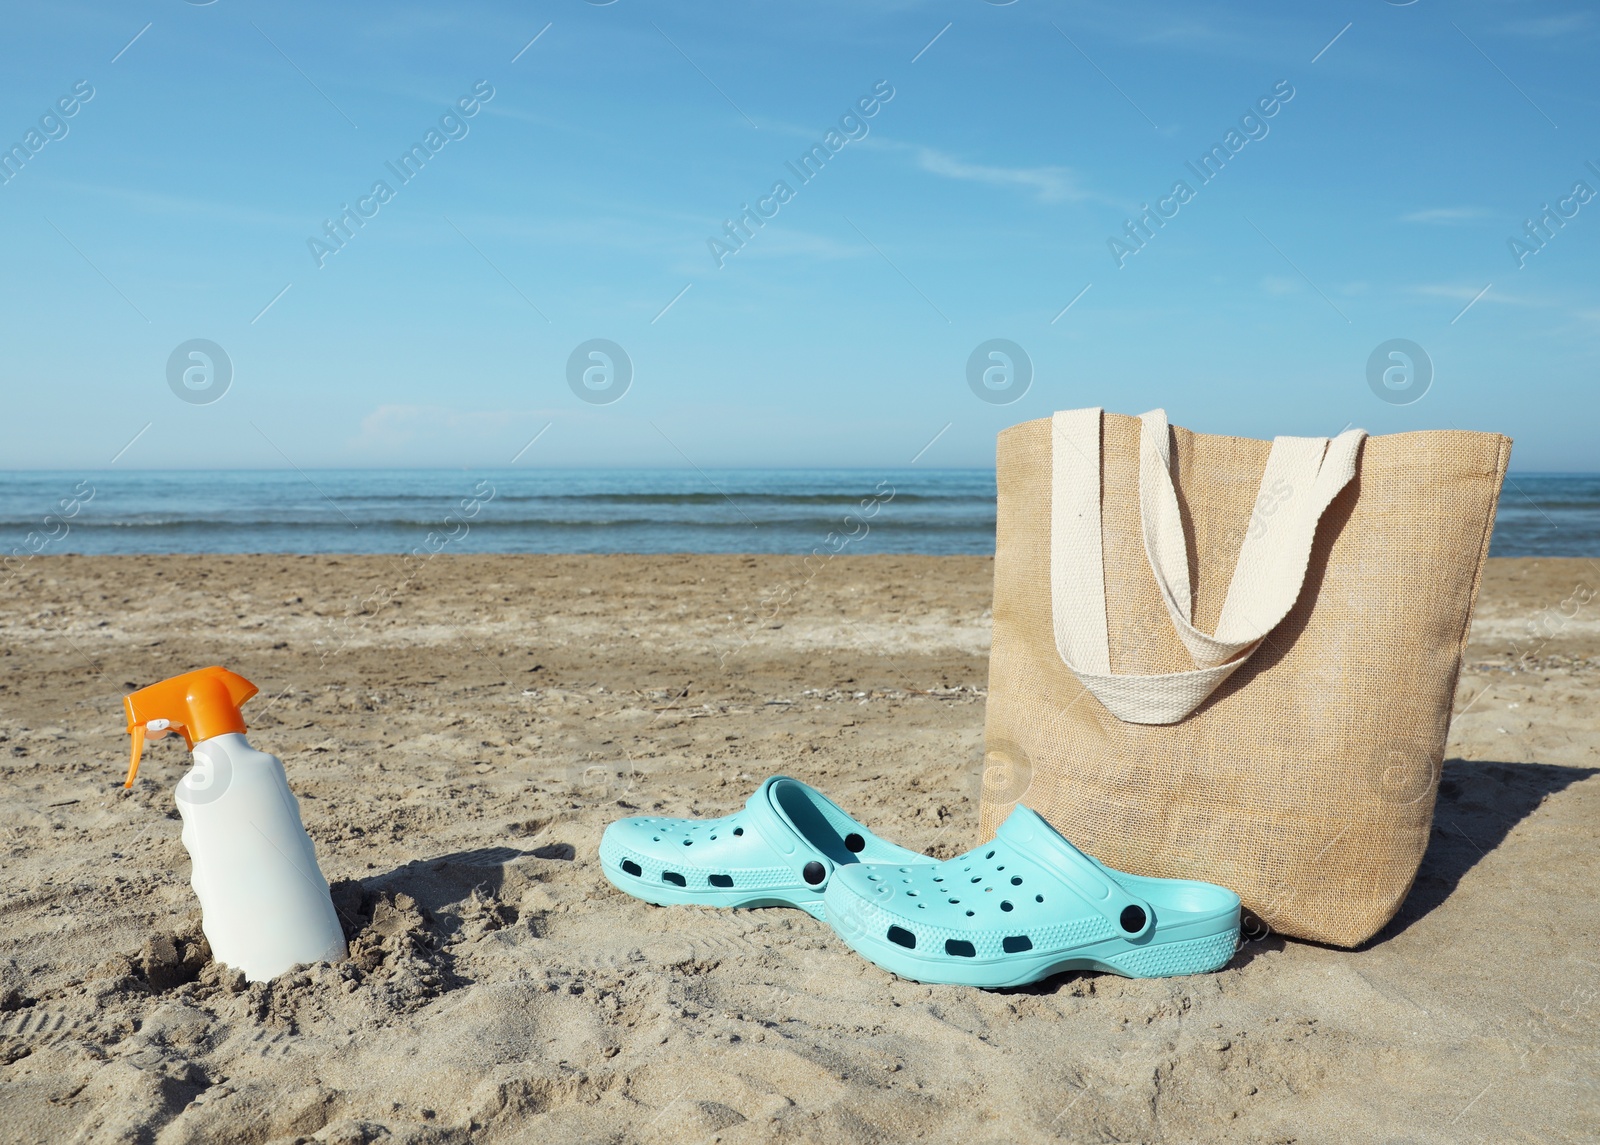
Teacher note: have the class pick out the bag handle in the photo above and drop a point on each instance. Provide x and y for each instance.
(1302, 477)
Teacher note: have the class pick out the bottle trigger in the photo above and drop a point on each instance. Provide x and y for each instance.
(138, 749)
(200, 704)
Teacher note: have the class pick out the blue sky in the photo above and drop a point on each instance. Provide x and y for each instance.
(580, 199)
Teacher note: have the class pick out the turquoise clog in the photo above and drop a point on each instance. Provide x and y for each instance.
(1026, 905)
(783, 849)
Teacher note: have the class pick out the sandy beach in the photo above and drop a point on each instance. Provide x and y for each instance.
(460, 731)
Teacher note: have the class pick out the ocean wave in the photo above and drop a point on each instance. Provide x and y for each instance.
(821, 525)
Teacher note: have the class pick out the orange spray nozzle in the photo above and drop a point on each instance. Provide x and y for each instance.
(197, 705)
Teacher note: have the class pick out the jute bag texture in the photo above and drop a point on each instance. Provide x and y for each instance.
(1290, 745)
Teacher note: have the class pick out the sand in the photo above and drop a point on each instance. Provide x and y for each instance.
(460, 732)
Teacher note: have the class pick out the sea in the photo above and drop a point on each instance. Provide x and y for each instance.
(932, 511)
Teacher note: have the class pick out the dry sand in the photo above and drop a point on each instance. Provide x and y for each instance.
(459, 749)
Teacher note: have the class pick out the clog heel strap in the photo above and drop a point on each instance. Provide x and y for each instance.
(1029, 835)
(1023, 906)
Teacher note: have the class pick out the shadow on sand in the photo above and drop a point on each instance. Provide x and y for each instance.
(1479, 804)
(438, 882)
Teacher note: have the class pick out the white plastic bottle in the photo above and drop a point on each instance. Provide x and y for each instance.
(264, 901)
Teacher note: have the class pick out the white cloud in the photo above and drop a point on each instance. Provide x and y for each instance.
(1188, 32)
(1466, 293)
(1048, 184)
(1275, 284)
(185, 205)
(1550, 27)
(1446, 216)
(780, 241)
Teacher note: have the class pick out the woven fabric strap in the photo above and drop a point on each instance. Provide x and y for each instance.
(1302, 477)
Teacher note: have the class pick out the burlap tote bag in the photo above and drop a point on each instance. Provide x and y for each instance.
(1232, 660)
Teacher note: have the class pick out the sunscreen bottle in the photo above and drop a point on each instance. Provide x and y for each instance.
(264, 902)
